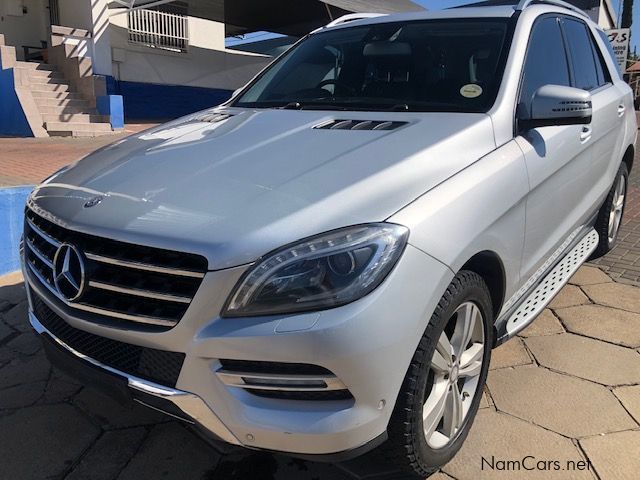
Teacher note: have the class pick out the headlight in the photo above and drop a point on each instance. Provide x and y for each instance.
(320, 272)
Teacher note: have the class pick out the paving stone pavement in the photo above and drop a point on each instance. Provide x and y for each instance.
(562, 402)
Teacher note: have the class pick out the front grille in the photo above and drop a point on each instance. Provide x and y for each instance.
(150, 364)
(125, 283)
(283, 381)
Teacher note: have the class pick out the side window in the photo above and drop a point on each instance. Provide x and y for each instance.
(546, 61)
(582, 55)
(604, 76)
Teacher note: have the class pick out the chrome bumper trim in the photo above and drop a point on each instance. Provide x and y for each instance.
(189, 403)
(280, 382)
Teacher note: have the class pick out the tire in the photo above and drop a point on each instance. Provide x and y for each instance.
(408, 447)
(607, 218)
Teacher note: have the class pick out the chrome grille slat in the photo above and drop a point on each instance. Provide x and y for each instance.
(99, 311)
(43, 258)
(45, 236)
(139, 293)
(120, 285)
(143, 266)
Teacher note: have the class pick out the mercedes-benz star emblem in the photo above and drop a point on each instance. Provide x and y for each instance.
(93, 202)
(68, 272)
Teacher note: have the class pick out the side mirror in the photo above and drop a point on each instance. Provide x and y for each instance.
(556, 105)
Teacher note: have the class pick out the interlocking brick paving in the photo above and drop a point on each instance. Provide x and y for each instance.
(28, 161)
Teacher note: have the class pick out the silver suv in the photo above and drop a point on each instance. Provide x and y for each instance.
(322, 265)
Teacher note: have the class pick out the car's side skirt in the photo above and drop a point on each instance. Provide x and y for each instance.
(541, 290)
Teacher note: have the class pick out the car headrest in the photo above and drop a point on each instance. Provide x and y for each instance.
(386, 49)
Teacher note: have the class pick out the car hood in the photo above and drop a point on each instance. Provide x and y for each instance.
(235, 188)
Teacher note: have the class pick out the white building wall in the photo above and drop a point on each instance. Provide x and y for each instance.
(205, 64)
(91, 15)
(24, 29)
(76, 14)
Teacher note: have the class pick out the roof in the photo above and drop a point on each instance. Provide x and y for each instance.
(634, 68)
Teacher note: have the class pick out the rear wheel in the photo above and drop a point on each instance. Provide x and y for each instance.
(610, 215)
(444, 383)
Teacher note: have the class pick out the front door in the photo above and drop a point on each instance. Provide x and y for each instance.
(559, 159)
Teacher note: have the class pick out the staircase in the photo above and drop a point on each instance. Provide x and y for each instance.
(64, 112)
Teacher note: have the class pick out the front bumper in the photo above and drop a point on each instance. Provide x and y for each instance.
(368, 345)
(177, 403)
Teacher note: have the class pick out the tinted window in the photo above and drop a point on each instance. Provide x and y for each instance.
(584, 65)
(546, 61)
(434, 65)
(601, 66)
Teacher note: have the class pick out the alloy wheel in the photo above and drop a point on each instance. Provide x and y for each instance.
(617, 205)
(455, 371)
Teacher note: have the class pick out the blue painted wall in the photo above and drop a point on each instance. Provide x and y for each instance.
(150, 101)
(13, 122)
(12, 201)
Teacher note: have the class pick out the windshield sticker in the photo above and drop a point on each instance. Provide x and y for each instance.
(471, 90)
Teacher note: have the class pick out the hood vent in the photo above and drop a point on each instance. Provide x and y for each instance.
(359, 125)
(211, 117)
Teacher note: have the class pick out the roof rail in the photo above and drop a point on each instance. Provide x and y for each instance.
(349, 18)
(352, 17)
(522, 4)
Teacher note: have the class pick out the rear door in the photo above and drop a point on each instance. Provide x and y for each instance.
(590, 73)
(559, 159)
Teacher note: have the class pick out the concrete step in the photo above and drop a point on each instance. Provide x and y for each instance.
(74, 118)
(41, 73)
(75, 133)
(42, 102)
(66, 109)
(50, 87)
(72, 133)
(59, 95)
(42, 80)
(35, 65)
(76, 127)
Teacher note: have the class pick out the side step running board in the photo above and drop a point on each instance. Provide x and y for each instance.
(533, 304)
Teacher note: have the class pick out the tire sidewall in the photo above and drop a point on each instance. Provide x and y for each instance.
(427, 456)
(622, 171)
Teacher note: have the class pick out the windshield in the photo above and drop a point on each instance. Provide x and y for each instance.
(431, 65)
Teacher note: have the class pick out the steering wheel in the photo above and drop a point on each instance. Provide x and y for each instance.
(337, 83)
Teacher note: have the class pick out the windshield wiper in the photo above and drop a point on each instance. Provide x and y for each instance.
(314, 106)
(400, 107)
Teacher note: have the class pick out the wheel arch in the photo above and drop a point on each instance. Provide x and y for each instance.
(628, 157)
(489, 266)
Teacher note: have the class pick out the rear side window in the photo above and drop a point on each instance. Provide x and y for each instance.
(585, 72)
(604, 76)
(546, 61)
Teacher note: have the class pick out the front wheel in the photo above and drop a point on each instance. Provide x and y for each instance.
(610, 215)
(443, 385)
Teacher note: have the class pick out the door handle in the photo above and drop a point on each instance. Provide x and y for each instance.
(585, 134)
(621, 109)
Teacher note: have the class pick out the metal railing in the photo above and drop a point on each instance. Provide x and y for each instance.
(156, 29)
